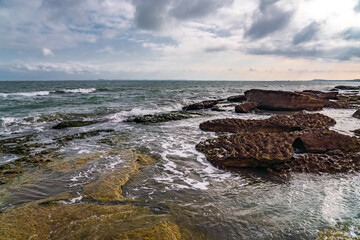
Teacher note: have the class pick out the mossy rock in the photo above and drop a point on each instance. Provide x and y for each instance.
(164, 117)
(342, 231)
(357, 114)
(68, 124)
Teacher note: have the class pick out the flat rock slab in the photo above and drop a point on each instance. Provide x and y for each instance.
(332, 163)
(248, 149)
(281, 123)
(284, 101)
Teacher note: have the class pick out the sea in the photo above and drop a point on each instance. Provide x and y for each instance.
(223, 204)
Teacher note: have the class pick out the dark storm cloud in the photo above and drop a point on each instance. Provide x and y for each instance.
(268, 18)
(352, 34)
(306, 34)
(154, 14)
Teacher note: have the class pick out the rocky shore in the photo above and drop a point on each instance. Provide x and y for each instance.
(284, 144)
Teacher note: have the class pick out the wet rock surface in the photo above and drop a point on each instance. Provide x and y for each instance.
(283, 100)
(282, 144)
(280, 123)
(201, 105)
(164, 117)
(237, 98)
(248, 149)
(321, 95)
(68, 124)
(32, 154)
(343, 87)
(246, 107)
(332, 163)
(357, 114)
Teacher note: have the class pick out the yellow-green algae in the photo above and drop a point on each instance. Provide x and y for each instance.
(342, 231)
(51, 218)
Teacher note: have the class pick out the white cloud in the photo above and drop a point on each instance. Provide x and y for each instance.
(46, 52)
(69, 68)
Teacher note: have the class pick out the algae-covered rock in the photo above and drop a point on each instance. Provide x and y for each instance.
(342, 231)
(109, 185)
(96, 213)
(163, 117)
(68, 124)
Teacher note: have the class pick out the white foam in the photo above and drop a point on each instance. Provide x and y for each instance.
(122, 116)
(80, 90)
(25, 94)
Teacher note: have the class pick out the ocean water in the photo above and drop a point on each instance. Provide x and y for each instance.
(222, 204)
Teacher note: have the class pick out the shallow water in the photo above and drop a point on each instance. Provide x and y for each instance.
(223, 204)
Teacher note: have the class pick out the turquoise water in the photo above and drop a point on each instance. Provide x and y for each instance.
(223, 204)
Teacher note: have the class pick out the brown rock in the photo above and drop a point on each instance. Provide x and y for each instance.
(284, 101)
(237, 98)
(248, 149)
(333, 162)
(322, 141)
(245, 107)
(321, 95)
(280, 123)
(201, 105)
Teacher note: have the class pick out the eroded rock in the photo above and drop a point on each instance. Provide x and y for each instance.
(201, 105)
(280, 123)
(68, 124)
(237, 98)
(248, 149)
(245, 107)
(283, 100)
(164, 117)
(332, 163)
(321, 95)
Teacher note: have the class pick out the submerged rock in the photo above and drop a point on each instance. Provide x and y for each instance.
(217, 109)
(201, 105)
(357, 114)
(281, 123)
(164, 117)
(68, 124)
(283, 100)
(342, 87)
(100, 212)
(237, 98)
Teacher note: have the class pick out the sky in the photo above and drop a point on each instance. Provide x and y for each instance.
(179, 39)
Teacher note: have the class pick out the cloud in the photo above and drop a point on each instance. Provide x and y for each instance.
(335, 53)
(352, 34)
(156, 14)
(307, 33)
(267, 19)
(69, 68)
(215, 49)
(357, 7)
(46, 52)
(185, 10)
(151, 14)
